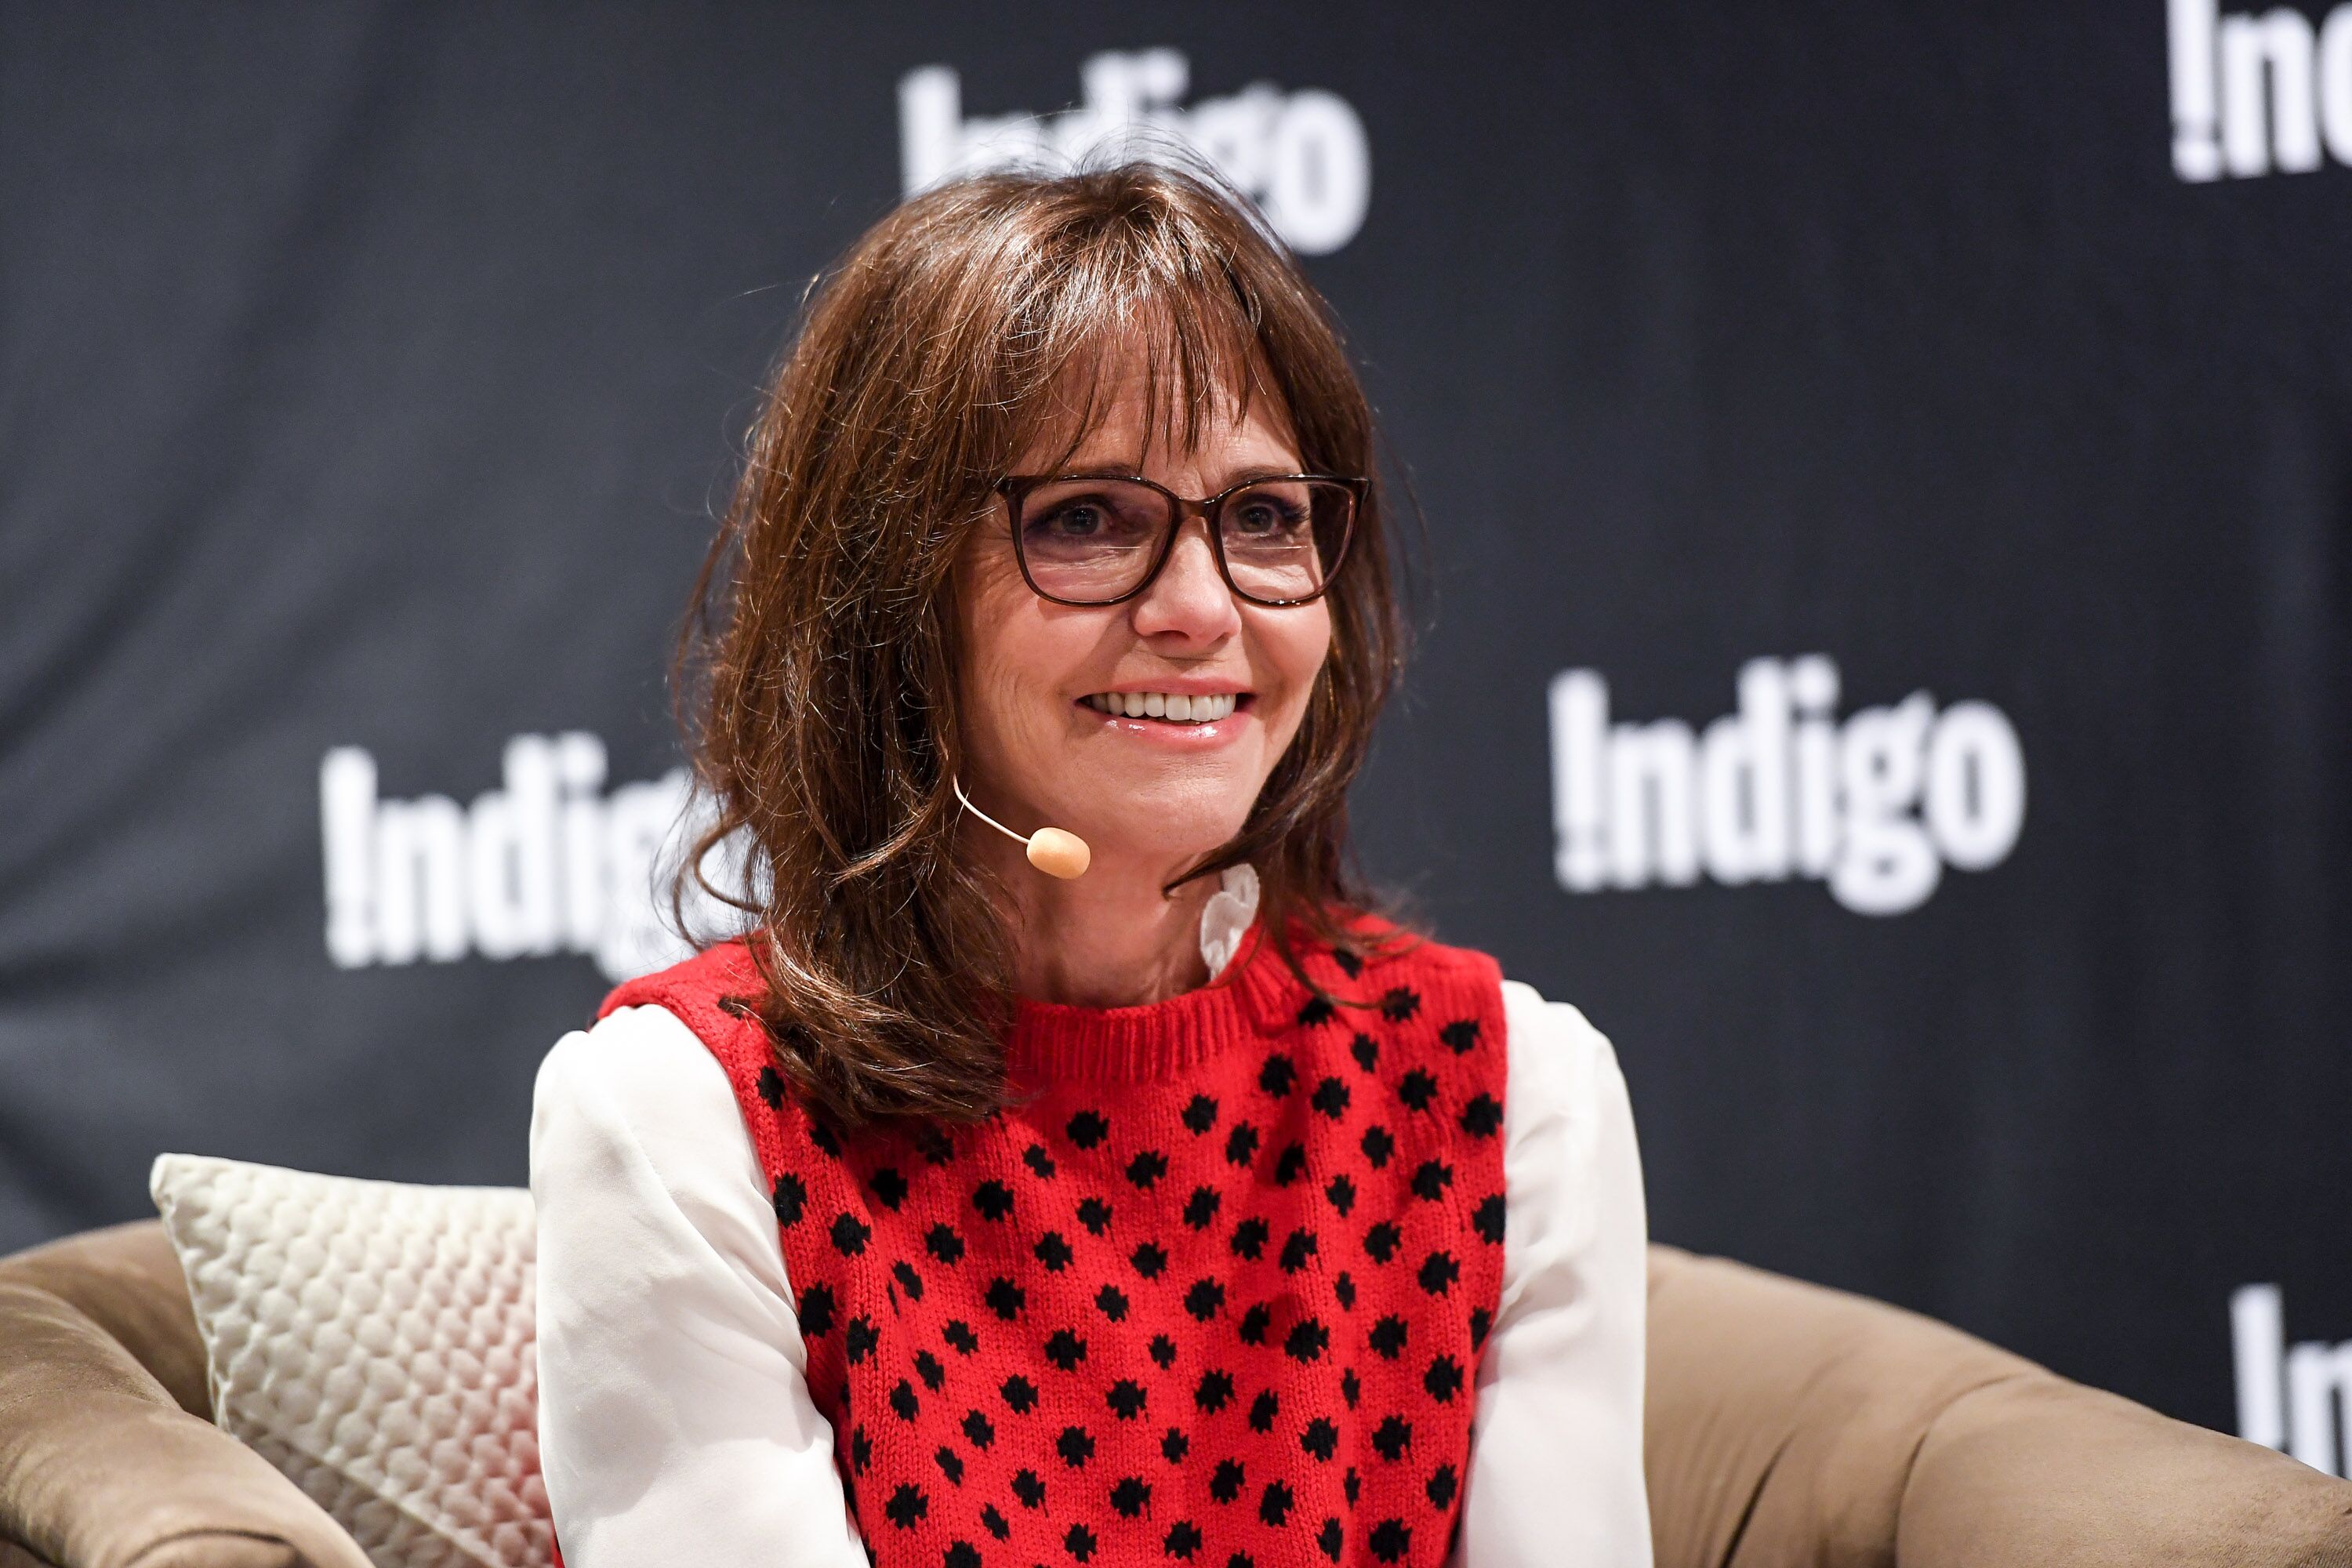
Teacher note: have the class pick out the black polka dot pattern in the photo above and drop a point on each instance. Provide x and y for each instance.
(1222, 1303)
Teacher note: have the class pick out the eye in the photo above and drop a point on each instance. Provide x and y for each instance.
(1099, 516)
(1076, 520)
(1264, 515)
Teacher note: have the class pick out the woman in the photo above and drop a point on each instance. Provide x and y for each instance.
(1180, 1210)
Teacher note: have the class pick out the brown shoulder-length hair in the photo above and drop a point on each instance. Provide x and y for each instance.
(817, 674)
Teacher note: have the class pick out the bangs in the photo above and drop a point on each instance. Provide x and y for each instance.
(1096, 304)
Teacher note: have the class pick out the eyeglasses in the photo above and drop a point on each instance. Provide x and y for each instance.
(1278, 541)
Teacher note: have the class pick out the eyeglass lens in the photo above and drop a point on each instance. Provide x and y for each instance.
(1093, 540)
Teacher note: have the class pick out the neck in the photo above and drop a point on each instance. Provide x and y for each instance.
(1110, 939)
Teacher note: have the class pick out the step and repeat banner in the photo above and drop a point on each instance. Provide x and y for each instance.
(1886, 592)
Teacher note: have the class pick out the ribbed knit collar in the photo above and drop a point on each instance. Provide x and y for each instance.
(1051, 1041)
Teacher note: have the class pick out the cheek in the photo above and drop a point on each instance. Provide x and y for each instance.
(1015, 658)
(1289, 655)
(990, 631)
(1294, 647)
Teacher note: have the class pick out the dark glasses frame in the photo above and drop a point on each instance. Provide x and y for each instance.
(1016, 488)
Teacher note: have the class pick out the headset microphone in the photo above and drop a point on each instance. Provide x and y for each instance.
(1051, 850)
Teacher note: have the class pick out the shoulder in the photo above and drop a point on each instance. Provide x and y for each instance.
(637, 1073)
(1552, 1044)
(1570, 1154)
(1380, 946)
(1408, 976)
(631, 1045)
(715, 997)
(718, 973)
(1562, 1070)
(1398, 945)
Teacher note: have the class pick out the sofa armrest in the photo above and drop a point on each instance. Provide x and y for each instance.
(2036, 1469)
(126, 1280)
(101, 1465)
(1792, 1425)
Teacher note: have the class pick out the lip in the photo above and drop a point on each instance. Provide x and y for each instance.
(1174, 685)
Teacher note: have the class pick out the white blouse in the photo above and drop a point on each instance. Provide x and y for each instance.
(675, 1428)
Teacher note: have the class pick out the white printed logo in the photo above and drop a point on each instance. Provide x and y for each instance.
(1302, 156)
(1782, 789)
(2315, 1378)
(2257, 94)
(548, 864)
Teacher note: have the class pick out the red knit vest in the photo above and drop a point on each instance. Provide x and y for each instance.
(1214, 1293)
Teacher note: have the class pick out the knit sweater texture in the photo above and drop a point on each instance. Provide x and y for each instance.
(1212, 1290)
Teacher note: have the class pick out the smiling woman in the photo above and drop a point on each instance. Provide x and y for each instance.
(960, 519)
(1171, 1207)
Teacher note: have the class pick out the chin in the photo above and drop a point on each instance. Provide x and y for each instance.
(1156, 829)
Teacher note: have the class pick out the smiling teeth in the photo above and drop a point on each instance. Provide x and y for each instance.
(1165, 705)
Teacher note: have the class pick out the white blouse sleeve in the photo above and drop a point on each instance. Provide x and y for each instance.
(675, 1426)
(1556, 1472)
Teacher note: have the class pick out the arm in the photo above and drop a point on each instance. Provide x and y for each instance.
(1556, 1471)
(675, 1426)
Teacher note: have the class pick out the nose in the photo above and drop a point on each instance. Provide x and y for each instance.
(1189, 599)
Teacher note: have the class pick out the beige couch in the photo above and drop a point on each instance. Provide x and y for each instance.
(1788, 1425)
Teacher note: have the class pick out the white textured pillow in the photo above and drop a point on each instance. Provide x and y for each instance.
(374, 1342)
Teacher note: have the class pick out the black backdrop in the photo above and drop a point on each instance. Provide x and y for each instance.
(366, 378)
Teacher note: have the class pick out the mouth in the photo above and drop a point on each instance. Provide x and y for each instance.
(1169, 707)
